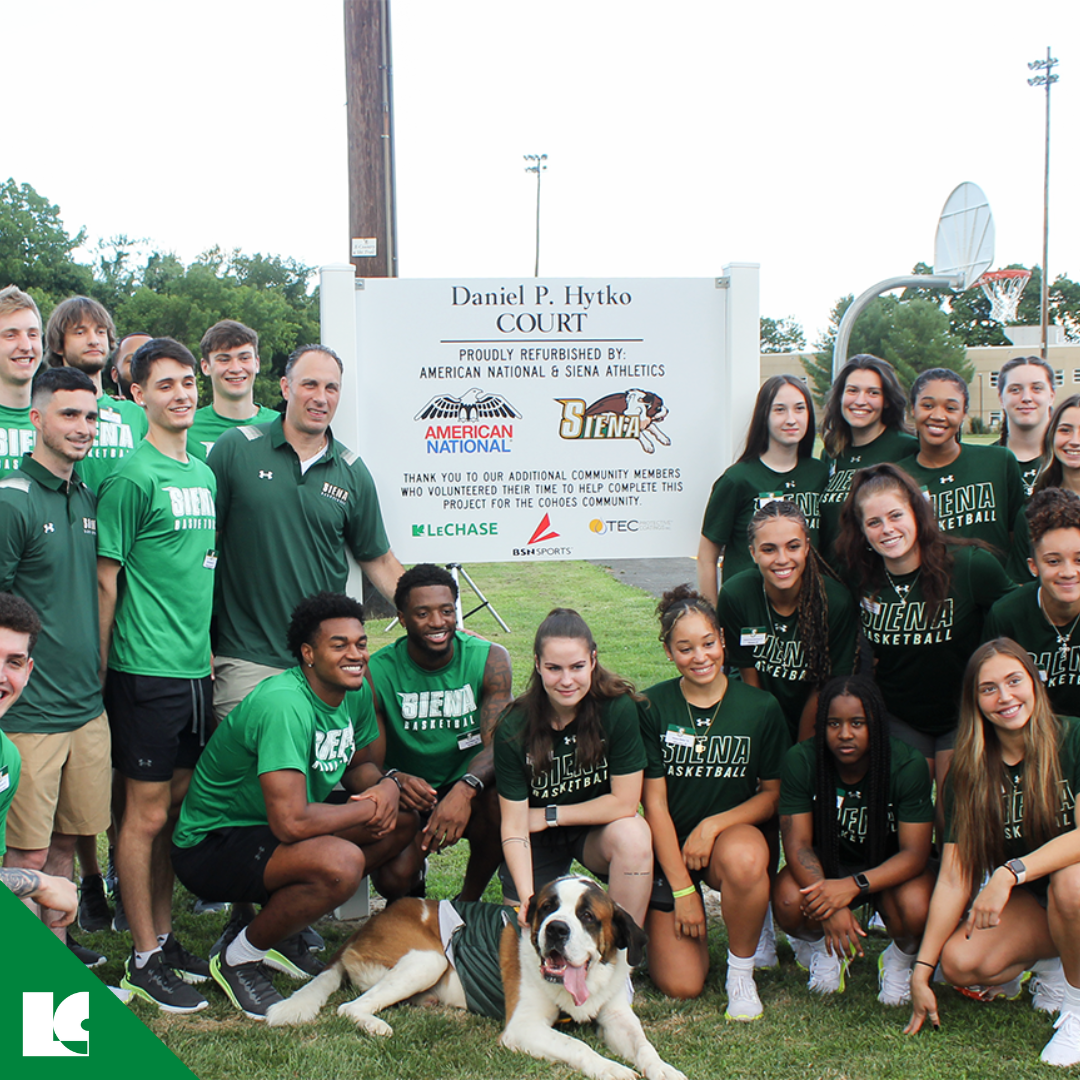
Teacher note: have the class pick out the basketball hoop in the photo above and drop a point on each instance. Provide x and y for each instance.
(1003, 288)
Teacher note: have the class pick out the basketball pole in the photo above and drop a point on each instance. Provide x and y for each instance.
(1046, 80)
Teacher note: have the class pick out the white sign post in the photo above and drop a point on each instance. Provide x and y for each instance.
(548, 418)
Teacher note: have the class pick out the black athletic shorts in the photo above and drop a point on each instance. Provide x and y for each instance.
(553, 850)
(662, 897)
(227, 864)
(158, 724)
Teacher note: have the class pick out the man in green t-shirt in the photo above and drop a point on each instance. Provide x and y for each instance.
(48, 555)
(156, 561)
(230, 360)
(291, 501)
(254, 826)
(438, 694)
(19, 629)
(80, 334)
(20, 356)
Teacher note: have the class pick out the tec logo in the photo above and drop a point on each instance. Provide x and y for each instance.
(59, 1032)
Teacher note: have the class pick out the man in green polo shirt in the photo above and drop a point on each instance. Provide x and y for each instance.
(230, 360)
(48, 556)
(80, 334)
(290, 500)
(20, 356)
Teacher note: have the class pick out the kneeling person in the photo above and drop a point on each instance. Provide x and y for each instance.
(438, 693)
(253, 826)
(856, 821)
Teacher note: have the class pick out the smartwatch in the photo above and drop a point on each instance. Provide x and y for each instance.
(474, 782)
(863, 882)
(1019, 870)
(551, 815)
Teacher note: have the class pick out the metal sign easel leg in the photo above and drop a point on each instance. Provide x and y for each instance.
(457, 569)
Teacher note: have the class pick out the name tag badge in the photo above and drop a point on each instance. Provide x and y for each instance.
(110, 416)
(753, 635)
(678, 736)
(5, 780)
(839, 801)
(870, 605)
(1042, 675)
(469, 740)
(211, 559)
(766, 497)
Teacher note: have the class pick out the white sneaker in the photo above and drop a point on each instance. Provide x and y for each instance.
(1047, 985)
(765, 953)
(803, 950)
(827, 970)
(1064, 1047)
(743, 1001)
(894, 976)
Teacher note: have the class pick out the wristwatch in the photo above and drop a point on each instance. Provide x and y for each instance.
(1018, 869)
(474, 782)
(863, 882)
(551, 815)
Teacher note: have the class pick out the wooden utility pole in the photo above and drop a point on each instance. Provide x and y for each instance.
(369, 97)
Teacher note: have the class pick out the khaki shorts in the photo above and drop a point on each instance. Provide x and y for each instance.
(65, 785)
(234, 680)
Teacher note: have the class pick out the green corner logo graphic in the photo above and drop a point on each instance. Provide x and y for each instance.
(60, 1020)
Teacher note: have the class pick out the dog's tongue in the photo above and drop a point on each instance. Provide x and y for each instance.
(574, 981)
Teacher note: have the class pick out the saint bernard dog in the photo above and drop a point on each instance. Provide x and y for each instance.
(575, 958)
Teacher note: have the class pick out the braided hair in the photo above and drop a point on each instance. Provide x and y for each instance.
(875, 784)
(813, 603)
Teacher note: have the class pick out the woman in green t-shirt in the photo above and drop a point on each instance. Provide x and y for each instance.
(776, 463)
(1010, 811)
(568, 769)
(714, 752)
(789, 625)
(1061, 449)
(856, 818)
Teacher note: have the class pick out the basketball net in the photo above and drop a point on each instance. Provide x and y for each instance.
(1003, 289)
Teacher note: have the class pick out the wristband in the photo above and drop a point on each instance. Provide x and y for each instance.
(1017, 869)
(474, 782)
(926, 963)
(680, 893)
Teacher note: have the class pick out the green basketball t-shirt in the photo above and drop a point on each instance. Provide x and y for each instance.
(909, 796)
(745, 488)
(711, 759)
(281, 724)
(16, 437)
(209, 426)
(122, 425)
(10, 767)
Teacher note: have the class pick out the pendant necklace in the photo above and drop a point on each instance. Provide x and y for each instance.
(701, 741)
(902, 590)
(1064, 642)
(769, 614)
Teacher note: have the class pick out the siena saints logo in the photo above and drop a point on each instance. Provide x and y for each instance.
(51, 1033)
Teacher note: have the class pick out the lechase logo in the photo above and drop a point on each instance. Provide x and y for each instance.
(458, 528)
(55, 1033)
(633, 414)
(466, 425)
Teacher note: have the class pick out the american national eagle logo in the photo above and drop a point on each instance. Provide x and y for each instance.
(474, 404)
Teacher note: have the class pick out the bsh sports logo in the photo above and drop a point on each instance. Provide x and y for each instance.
(467, 426)
(541, 533)
(59, 1033)
(628, 415)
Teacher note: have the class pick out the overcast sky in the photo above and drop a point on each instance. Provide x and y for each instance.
(820, 140)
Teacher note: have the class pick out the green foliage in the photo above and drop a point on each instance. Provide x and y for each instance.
(781, 335)
(912, 335)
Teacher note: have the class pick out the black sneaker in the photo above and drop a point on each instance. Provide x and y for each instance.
(119, 919)
(248, 986)
(190, 968)
(94, 911)
(294, 958)
(84, 955)
(207, 907)
(237, 921)
(157, 983)
(312, 939)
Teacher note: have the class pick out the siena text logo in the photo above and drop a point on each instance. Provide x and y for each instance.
(46, 1032)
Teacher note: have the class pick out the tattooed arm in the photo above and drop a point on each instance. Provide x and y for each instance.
(57, 894)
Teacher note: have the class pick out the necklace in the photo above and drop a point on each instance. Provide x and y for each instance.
(769, 612)
(1063, 642)
(701, 741)
(902, 590)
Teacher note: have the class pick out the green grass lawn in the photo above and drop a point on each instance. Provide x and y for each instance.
(846, 1037)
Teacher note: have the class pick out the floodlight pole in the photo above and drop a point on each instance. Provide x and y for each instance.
(537, 167)
(1046, 80)
(861, 302)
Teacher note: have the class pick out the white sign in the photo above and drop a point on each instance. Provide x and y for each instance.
(543, 418)
(365, 247)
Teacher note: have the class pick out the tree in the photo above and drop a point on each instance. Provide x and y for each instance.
(781, 335)
(913, 336)
(36, 249)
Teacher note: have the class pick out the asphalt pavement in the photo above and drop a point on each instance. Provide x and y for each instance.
(654, 576)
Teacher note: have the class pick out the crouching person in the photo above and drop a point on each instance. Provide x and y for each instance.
(254, 826)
